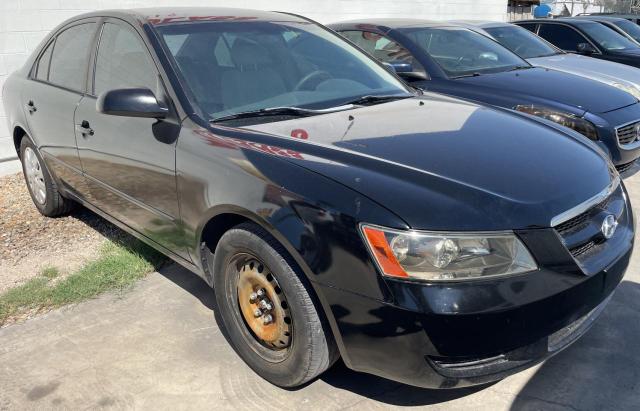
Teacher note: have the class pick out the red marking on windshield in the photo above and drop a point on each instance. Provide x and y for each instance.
(183, 19)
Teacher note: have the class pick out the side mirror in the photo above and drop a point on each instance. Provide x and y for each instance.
(406, 70)
(586, 49)
(131, 102)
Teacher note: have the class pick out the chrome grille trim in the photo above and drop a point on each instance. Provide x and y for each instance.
(586, 205)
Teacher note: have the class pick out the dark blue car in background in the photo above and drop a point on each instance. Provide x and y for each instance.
(450, 59)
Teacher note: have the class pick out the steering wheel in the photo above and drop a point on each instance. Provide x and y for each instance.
(461, 59)
(318, 76)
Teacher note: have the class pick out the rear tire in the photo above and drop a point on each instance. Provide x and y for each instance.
(296, 345)
(42, 188)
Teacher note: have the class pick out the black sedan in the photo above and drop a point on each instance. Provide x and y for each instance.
(451, 59)
(625, 27)
(334, 211)
(588, 37)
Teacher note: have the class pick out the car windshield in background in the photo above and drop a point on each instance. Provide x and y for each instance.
(632, 29)
(242, 67)
(461, 52)
(607, 38)
(522, 42)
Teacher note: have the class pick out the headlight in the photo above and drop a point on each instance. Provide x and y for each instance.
(572, 121)
(440, 256)
(634, 91)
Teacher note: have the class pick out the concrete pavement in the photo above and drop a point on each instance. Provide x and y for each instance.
(158, 346)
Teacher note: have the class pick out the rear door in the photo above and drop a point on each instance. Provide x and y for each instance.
(57, 83)
(129, 162)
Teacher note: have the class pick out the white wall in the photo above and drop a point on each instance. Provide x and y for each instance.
(23, 23)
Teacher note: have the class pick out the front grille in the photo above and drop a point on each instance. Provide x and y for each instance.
(627, 134)
(581, 220)
(582, 234)
(624, 167)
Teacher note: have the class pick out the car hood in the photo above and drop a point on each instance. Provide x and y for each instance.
(444, 164)
(600, 70)
(555, 86)
(630, 53)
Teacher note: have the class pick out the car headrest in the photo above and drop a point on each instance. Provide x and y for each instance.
(249, 55)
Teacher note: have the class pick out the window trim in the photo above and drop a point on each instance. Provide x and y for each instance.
(93, 60)
(598, 51)
(53, 40)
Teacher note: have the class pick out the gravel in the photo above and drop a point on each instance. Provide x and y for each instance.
(29, 242)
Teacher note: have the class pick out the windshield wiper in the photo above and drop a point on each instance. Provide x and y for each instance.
(467, 75)
(373, 99)
(271, 111)
(520, 68)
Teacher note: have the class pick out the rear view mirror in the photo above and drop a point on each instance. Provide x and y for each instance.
(586, 49)
(131, 102)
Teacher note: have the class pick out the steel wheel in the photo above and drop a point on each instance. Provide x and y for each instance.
(35, 176)
(262, 304)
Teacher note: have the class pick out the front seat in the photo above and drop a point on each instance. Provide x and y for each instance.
(255, 77)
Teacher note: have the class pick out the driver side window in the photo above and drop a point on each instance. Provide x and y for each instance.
(123, 61)
(382, 48)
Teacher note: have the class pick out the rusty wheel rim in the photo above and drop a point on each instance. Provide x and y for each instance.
(262, 304)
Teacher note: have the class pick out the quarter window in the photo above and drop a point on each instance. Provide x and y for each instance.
(562, 36)
(42, 72)
(123, 61)
(70, 54)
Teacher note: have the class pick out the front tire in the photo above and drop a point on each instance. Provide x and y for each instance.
(268, 308)
(42, 188)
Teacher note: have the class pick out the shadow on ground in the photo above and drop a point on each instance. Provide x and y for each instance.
(601, 371)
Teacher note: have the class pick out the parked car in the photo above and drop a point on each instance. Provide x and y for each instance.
(590, 38)
(450, 59)
(540, 53)
(334, 210)
(633, 17)
(622, 26)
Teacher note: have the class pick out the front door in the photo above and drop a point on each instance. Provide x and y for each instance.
(128, 162)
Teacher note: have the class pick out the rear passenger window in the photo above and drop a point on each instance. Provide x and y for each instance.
(123, 61)
(529, 26)
(42, 72)
(70, 54)
(562, 36)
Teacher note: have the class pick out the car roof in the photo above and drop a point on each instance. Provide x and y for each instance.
(394, 23)
(566, 20)
(483, 24)
(178, 15)
(601, 18)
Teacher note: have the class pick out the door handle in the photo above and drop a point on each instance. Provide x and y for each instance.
(84, 128)
(31, 107)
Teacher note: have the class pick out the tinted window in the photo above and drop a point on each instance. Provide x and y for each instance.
(382, 48)
(462, 52)
(529, 26)
(608, 38)
(42, 73)
(562, 36)
(232, 67)
(630, 28)
(69, 58)
(123, 61)
(522, 42)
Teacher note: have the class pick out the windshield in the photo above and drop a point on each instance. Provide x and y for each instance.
(236, 67)
(607, 38)
(522, 42)
(460, 52)
(630, 28)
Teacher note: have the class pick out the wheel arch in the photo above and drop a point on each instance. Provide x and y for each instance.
(222, 218)
(18, 134)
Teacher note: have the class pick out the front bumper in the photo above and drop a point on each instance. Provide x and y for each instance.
(457, 335)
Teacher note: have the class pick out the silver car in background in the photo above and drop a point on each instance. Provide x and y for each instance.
(540, 53)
